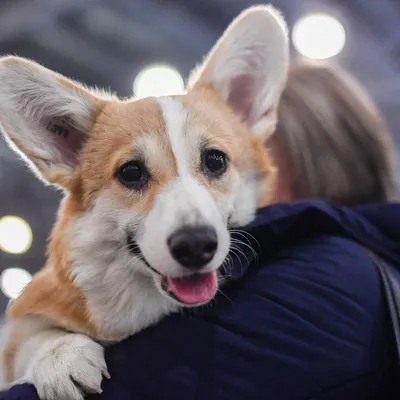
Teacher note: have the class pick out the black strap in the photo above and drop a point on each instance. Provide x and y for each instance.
(390, 277)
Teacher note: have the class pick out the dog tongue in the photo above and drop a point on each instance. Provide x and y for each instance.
(194, 289)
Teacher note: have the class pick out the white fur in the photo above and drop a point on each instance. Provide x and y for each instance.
(120, 291)
(253, 47)
(247, 196)
(62, 363)
(175, 118)
(50, 358)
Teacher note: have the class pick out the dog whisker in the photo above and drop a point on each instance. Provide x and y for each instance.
(247, 235)
(240, 243)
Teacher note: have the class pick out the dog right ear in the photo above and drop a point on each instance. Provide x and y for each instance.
(248, 67)
(45, 117)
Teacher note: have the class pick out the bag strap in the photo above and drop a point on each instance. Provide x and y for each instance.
(390, 278)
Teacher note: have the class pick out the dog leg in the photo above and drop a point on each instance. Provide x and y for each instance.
(61, 365)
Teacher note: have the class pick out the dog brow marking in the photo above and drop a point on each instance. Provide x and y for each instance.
(175, 117)
(193, 203)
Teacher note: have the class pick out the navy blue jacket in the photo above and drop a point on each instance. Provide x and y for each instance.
(305, 320)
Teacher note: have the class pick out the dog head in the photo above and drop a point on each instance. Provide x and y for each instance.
(153, 185)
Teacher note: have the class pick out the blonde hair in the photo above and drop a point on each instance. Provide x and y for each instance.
(332, 138)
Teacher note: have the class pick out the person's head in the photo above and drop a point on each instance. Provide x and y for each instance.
(330, 141)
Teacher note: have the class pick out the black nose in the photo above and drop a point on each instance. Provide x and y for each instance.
(193, 247)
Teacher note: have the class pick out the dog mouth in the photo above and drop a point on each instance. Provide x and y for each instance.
(191, 290)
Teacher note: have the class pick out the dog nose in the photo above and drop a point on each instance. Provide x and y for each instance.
(193, 247)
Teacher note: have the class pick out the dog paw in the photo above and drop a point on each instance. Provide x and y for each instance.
(68, 368)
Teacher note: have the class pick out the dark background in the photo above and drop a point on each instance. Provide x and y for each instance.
(107, 42)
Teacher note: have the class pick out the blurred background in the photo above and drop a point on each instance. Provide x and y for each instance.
(148, 47)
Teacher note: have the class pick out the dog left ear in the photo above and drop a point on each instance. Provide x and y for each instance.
(248, 67)
(45, 117)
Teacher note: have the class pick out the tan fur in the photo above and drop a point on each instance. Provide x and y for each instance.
(115, 131)
(226, 130)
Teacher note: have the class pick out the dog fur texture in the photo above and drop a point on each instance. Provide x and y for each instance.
(93, 291)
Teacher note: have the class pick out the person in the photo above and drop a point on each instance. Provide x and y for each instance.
(302, 314)
(330, 141)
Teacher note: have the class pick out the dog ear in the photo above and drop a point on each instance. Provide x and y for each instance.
(45, 117)
(248, 67)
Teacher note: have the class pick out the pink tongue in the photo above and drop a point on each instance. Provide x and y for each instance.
(194, 289)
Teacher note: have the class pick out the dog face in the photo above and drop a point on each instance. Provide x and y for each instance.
(153, 185)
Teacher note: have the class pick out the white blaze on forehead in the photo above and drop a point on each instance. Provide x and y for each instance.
(175, 117)
(194, 201)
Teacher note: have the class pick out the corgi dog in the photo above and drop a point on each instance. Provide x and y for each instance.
(152, 187)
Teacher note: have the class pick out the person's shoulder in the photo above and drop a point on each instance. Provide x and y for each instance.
(322, 261)
(321, 266)
(322, 254)
(338, 250)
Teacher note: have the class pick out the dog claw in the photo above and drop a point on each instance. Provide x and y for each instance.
(106, 374)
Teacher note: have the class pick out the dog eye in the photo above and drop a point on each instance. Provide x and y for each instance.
(133, 175)
(214, 162)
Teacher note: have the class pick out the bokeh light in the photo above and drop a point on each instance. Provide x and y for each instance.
(318, 36)
(15, 235)
(158, 80)
(13, 281)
